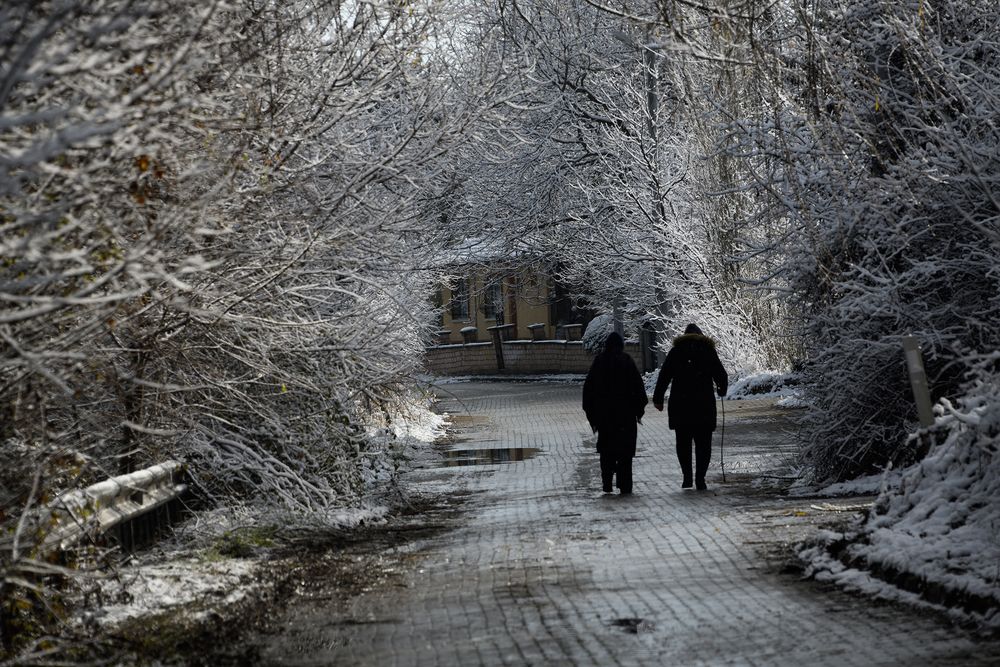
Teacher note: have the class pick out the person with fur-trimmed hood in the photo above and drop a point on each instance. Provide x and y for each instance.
(614, 399)
(692, 365)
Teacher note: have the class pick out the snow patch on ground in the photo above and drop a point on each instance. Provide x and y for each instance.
(142, 589)
(826, 568)
(766, 384)
(397, 437)
(756, 385)
(792, 402)
(195, 568)
(862, 486)
(191, 568)
(421, 426)
(939, 525)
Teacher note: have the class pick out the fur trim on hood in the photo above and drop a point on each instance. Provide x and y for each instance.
(694, 338)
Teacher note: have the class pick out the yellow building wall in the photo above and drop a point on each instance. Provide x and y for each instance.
(455, 326)
(533, 303)
(530, 290)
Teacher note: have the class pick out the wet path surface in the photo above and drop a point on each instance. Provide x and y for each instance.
(540, 568)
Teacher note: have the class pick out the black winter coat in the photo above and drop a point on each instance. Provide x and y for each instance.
(692, 365)
(614, 399)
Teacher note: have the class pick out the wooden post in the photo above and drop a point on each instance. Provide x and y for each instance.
(918, 380)
(497, 335)
(619, 326)
(647, 346)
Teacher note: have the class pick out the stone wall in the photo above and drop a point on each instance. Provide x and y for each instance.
(471, 359)
(520, 357)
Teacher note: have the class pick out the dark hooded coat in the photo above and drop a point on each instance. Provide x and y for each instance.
(614, 398)
(692, 366)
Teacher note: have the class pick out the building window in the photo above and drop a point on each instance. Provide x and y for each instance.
(460, 300)
(493, 302)
(438, 301)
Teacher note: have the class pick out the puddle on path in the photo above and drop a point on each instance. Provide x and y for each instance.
(478, 457)
(633, 625)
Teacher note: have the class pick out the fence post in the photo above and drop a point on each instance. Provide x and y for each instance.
(616, 307)
(497, 335)
(918, 380)
(647, 346)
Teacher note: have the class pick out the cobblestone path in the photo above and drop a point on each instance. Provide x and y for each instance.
(543, 569)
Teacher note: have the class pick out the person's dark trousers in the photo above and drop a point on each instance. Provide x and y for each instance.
(607, 471)
(612, 464)
(702, 453)
(624, 468)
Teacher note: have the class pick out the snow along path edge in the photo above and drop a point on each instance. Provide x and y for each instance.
(830, 559)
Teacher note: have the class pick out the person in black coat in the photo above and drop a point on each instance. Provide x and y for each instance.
(692, 365)
(614, 399)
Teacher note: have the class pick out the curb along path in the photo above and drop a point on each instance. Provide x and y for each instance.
(542, 569)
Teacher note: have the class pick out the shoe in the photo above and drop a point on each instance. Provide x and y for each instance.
(686, 484)
(607, 489)
(627, 493)
(700, 485)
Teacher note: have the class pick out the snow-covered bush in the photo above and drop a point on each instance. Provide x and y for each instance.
(107, 185)
(209, 234)
(762, 384)
(942, 524)
(597, 332)
(880, 168)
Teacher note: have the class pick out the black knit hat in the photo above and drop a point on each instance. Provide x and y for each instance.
(614, 343)
(693, 329)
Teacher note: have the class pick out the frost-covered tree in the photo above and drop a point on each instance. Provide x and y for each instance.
(600, 172)
(819, 174)
(102, 194)
(880, 166)
(209, 213)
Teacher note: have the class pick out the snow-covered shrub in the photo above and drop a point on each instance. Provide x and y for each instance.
(205, 254)
(881, 167)
(192, 270)
(763, 384)
(942, 524)
(107, 189)
(597, 332)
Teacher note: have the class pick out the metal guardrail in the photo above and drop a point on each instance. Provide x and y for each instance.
(101, 506)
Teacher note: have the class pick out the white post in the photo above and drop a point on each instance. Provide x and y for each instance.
(918, 380)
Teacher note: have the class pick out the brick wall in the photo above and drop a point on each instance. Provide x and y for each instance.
(520, 357)
(472, 359)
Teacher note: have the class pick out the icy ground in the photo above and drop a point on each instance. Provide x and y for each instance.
(936, 543)
(215, 559)
(539, 567)
(912, 537)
